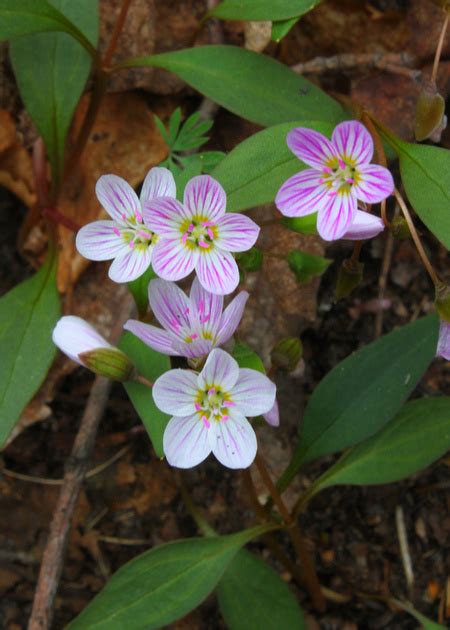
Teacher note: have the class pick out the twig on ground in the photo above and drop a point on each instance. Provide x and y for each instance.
(391, 62)
(75, 471)
(208, 108)
(404, 547)
(382, 281)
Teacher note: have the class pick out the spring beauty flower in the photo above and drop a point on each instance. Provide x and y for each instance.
(192, 325)
(198, 234)
(126, 238)
(443, 347)
(340, 175)
(209, 411)
(364, 226)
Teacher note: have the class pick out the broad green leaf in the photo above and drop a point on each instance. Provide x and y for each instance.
(253, 172)
(252, 596)
(306, 266)
(28, 314)
(262, 9)
(24, 17)
(51, 71)
(139, 290)
(250, 85)
(425, 172)
(302, 225)
(364, 392)
(247, 358)
(162, 584)
(416, 437)
(149, 364)
(282, 28)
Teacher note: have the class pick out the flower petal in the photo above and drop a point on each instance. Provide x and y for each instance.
(74, 335)
(272, 417)
(352, 141)
(375, 183)
(159, 182)
(220, 370)
(132, 264)
(217, 271)
(253, 393)
(172, 260)
(175, 392)
(311, 147)
(231, 317)
(117, 197)
(204, 195)
(302, 194)
(195, 349)
(169, 305)
(234, 443)
(443, 347)
(164, 216)
(236, 232)
(159, 340)
(364, 226)
(99, 241)
(185, 442)
(334, 220)
(206, 308)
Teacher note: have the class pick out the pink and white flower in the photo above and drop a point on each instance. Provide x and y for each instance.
(125, 238)
(198, 234)
(74, 336)
(443, 347)
(209, 411)
(364, 226)
(340, 175)
(193, 325)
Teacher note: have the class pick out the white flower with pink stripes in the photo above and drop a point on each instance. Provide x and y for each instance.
(192, 325)
(209, 411)
(199, 235)
(340, 175)
(125, 238)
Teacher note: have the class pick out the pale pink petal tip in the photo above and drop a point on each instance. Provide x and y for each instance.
(364, 226)
(272, 417)
(352, 141)
(204, 195)
(311, 147)
(74, 335)
(336, 218)
(443, 347)
(117, 197)
(159, 182)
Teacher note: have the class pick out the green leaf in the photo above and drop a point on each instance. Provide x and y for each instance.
(416, 437)
(149, 364)
(28, 314)
(248, 84)
(139, 290)
(253, 172)
(51, 71)
(252, 596)
(162, 584)
(427, 624)
(425, 172)
(302, 225)
(192, 166)
(247, 358)
(362, 393)
(262, 9)
(282, 28)
(174, 125)
(307, 266)
(24, 17)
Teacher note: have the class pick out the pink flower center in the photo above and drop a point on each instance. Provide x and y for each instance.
(134, 232)
(213, 405)
(198, 233)
(339, 175)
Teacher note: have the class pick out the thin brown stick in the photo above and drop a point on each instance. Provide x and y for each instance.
(118, 27)
(382, 281)
(391, 62)
(439, 47)
(75, 471)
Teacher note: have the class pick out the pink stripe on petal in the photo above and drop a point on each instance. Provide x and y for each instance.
(175, 392)
(375, 183)
(253, 393)
(220, 370)
(205, 196)
(352, 140)
(236, 232)
(164, 216)
(172, 260)
(117, 197)
(206, 307)
(334, 220)
(234, 442)
(311, 147)
(302, 194)
(100, 240)
(169, 305)
(231, 317)
(195, 349)
(364, 226)
(186, 441)
(217, 271)
(159, 182)
(159, 340)
(131, 265)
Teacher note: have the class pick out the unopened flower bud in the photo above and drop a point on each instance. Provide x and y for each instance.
(430, 119)
(350, 276)
(287, 353)
(442, 301)
(400, 228)
(251, 260)
(109, 362)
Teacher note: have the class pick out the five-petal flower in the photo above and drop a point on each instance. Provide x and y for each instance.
(192, 325)
(340, 175)
(198, 234)
(209, 411)
(125, 238)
